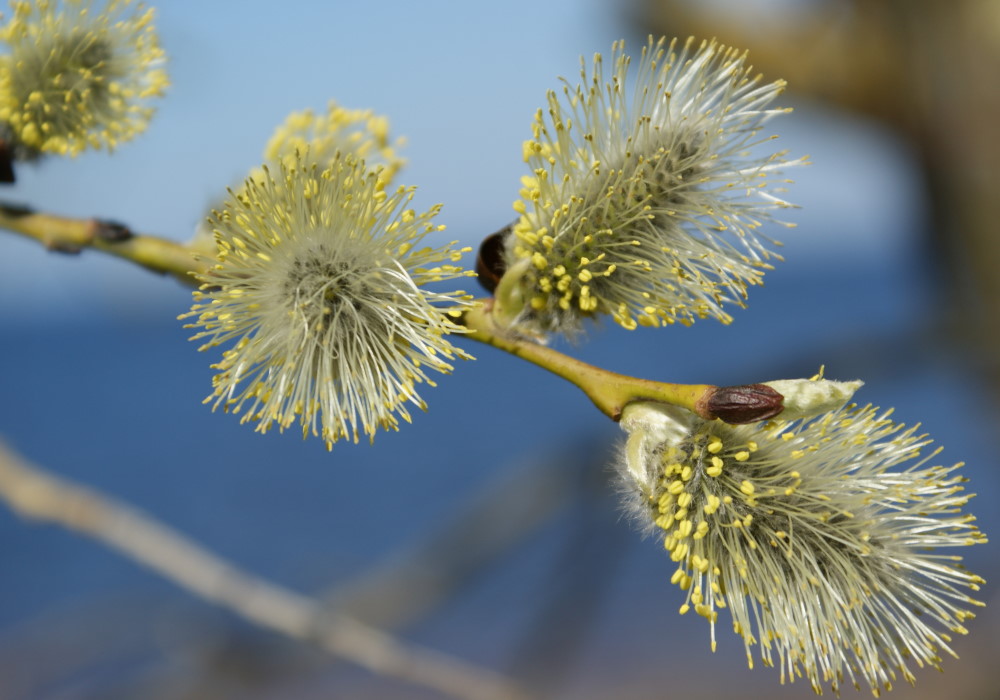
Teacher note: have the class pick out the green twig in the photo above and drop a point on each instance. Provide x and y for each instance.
(67, 235)
(609, 391)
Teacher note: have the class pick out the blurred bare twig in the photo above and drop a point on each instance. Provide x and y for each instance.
(413, 582)
(35, 494)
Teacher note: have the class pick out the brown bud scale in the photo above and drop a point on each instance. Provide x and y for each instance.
(747, 403)
(490, 263)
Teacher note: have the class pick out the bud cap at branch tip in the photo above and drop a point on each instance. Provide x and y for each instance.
(810, 397)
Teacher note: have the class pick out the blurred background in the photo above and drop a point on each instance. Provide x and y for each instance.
(488, 529)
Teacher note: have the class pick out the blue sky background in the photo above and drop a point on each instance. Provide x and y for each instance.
(99, 383)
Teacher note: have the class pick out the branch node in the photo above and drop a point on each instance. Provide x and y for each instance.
(111, 231)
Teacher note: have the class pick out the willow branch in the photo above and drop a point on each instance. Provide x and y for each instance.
(67, 235)
(609, 391)
(35, 494)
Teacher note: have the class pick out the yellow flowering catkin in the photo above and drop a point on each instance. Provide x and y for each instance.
(644, 199)
(821, 537)
(318, 287)
(78, 74)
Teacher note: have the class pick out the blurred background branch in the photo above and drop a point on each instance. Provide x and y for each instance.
(414, 582)
(34, 494)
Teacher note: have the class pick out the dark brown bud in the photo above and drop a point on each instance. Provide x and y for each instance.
(490, 264)
(748, 403)
(6, 165)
